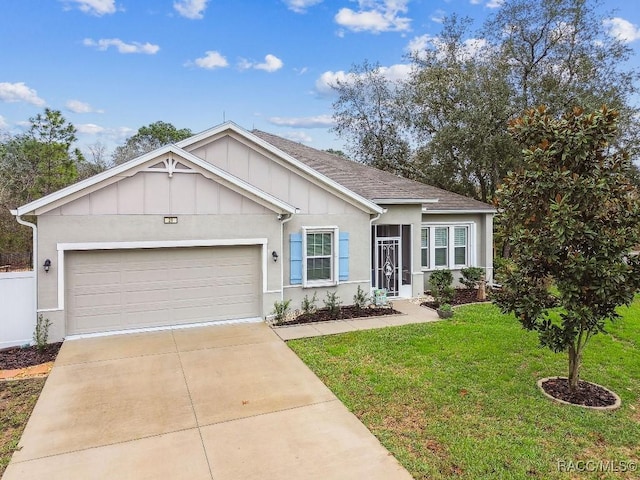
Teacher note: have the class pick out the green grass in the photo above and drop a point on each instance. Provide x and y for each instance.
(17, 399)
(459, 397)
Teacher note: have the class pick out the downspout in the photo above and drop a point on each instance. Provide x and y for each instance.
(34, 256)
(284, 218)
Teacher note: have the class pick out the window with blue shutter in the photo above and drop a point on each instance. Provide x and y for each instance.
(295, 255)
(343, 256)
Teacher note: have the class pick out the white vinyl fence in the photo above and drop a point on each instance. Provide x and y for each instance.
(17, 308)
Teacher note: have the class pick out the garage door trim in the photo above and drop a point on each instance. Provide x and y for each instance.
(63, 247)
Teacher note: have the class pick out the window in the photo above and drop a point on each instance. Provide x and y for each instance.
(460, 245)
(424, 247)
(319, 256)
(446, 246)
(441, 243)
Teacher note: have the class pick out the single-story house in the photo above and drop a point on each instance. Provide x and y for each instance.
(227, 222)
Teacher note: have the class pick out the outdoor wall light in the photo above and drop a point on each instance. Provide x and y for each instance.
(47, 265)
(274, 254)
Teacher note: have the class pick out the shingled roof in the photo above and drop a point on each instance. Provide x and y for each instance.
(371, 183)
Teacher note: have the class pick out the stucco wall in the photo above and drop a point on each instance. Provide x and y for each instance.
(483, 240)
(357, 225)
(53, 230)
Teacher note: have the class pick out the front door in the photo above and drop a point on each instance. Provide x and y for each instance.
(388, 265)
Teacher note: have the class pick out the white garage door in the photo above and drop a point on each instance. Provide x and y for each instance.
(124, 289)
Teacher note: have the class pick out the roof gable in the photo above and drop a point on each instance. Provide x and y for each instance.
(319, 177)
(169, 159)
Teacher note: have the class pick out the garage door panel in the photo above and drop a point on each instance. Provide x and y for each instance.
(121, 289)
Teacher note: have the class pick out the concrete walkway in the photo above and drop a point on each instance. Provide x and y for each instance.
(218, 402)
(410, 313)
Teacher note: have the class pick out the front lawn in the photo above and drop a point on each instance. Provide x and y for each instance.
(17, 399)
(458, 398)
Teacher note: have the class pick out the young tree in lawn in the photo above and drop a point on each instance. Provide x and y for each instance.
(572, 217)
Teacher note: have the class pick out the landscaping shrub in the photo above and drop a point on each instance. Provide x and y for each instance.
(281, 310)
(332, 304)
(360, 299)
(309, 306)
(440, 282)
(471, 276)
(41, 333)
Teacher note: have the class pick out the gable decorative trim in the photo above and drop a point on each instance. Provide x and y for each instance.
(170, 166)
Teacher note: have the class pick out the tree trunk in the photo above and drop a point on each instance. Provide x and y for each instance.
(574, 368)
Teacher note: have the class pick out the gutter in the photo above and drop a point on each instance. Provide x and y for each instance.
(34, 227)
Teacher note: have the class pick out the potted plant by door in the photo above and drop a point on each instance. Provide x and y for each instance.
(445, 310)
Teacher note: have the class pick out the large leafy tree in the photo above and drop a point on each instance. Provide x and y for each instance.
(461, 101)
(466, 85)
(147, 138)
(572, 218)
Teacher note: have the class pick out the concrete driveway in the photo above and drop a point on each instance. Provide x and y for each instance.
(218, 402)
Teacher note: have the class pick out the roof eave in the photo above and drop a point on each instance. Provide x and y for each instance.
(404, 201)
(459, 211)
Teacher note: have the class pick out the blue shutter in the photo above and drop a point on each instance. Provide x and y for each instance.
(343, 256)
(295, 255)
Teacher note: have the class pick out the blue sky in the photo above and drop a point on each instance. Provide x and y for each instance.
(112, 66)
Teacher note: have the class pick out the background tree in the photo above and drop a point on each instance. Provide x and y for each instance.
(572, 217)
(149, 138)
(369, 115)
(32, 165)
(461, 102)
(96, 162)
(451, 114)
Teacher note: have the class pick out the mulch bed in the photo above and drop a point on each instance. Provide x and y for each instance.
(588, 394)
(22, 357)
(461, 296)
(346, 313)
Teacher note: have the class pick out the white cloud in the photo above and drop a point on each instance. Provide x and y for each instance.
(211, 61)
(438, 16)
(375, 16)
(494, 3)
(271, 64)
(90, 128)
(3, 122)
(326, 81)
(122, 47)
(193, 9)
(96, 7)
(476, 2)
(19, 92)
(76, 106)
(300, 6)
(318, 121)
(622, 29)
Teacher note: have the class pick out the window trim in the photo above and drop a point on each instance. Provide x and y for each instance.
(335, 261)
(451, 247)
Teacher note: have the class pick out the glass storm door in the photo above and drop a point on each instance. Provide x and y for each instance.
(388, 265)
